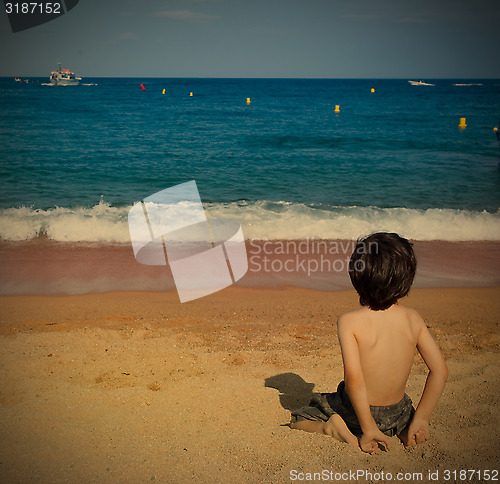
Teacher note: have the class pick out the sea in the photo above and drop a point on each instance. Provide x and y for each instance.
(290, 159)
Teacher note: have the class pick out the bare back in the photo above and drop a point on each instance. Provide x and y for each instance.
(386, 341)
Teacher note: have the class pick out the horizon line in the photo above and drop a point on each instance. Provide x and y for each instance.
(257, 77)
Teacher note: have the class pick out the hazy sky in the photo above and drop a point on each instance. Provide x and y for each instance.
(262, 38)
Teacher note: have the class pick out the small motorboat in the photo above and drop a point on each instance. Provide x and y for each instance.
(64, 77)
(420, 83)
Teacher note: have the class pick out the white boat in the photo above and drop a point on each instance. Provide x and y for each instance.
(64, 77)
(420, 83)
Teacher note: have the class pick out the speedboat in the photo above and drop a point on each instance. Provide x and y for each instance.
(420, 83)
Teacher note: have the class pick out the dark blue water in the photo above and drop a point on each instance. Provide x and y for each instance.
(397, 147)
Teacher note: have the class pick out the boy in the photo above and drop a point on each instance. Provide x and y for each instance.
(378, 344)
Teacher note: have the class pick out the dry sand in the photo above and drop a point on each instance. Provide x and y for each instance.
(135, 387)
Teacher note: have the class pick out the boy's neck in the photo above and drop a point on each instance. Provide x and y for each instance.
(392, 307)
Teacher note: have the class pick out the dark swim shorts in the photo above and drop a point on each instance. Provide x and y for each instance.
(390, 419)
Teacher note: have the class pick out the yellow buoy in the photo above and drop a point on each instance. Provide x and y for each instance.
(337, 108)
(495, 129)
(462, 123)
(191, 94)
(373, 90)
(248, 100)
(163, 92)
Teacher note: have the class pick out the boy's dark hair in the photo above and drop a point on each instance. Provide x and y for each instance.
(382, 268)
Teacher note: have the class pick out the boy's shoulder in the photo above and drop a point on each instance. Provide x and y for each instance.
(352, 315)
(349, 321)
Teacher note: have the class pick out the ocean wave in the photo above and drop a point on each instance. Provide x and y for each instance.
(264, 220)
(100, 223)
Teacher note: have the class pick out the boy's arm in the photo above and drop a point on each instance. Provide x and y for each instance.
(356, 389)
(434, 385)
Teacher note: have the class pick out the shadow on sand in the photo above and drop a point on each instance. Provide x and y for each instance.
(294, 391)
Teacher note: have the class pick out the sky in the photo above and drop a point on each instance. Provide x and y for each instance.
(413, 39)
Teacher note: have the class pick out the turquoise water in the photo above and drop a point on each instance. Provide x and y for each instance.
(397, 153)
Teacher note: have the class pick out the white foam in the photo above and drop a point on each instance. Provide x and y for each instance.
(260, 220)
(284, 220)
(100, 223)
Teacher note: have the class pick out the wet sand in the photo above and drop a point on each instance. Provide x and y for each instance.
(48, 267)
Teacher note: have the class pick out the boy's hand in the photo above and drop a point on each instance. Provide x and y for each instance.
(418, 432)
(369, 441)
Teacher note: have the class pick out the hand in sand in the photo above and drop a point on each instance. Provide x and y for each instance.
(417, 432)
(369, 441)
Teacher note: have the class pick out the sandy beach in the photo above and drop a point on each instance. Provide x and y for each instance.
(135, 387)
(153, 152)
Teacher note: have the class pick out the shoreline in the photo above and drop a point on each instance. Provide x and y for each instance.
(47, 267)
